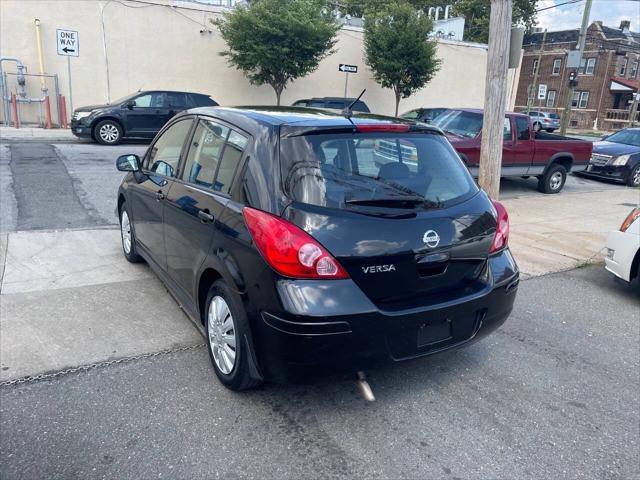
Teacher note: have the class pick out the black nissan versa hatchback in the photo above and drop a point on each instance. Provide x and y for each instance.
(303, 241)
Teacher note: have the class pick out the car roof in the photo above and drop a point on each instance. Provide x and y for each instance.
(142, 92)
(481, 111)
(298, 116)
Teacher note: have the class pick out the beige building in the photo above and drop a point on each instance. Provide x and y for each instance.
(127, 45)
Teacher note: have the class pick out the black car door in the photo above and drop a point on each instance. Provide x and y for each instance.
(197, 200)
(149, 114)
(147, 196)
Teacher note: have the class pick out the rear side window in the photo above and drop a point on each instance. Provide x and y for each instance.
(204, 153)
(336, 170)
(522, 124)
(316, 104)
(337, 105)
(177, 100)
(198, 100)
(236, 144)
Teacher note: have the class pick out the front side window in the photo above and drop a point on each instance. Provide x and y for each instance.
(551, 98)
(150, 100)
(204, 153)
(164, 155)
(557, 63)
(351, 171)
(522, 124)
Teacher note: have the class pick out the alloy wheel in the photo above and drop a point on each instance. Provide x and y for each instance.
(109, 133)
(125, 230)
(555, 182)
(636, 177)
(222, 335)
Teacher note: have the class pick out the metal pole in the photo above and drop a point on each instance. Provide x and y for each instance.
(56, 85)
(104, 49)
(346, 82)
(70, 90)
(566, 115)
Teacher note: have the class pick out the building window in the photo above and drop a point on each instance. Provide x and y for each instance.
(623, 67)
(584, 99)
(634, 69)
(557, 63)
(580, 99)
(587, 66)
(535, 67)
(551, 98)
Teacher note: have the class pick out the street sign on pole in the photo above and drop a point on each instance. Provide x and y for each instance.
(348, 68)
(68, 43)
(542, 91)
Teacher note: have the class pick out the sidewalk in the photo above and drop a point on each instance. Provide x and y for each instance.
(552, 233)
(31, 133)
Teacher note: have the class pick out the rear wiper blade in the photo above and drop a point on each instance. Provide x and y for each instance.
(391, 202)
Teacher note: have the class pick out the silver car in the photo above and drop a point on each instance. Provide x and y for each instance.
(544, 121)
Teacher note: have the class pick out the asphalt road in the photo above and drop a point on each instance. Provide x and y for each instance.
(554, 393)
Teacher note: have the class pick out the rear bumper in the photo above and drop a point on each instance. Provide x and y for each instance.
(350, 333)
(617, 173)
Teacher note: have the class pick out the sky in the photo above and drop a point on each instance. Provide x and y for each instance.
(570, 16)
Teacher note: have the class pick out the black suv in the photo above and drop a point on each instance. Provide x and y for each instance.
(298, 248)
(333, 103)
(139, 115)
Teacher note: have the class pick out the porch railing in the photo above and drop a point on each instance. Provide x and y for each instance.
(619, 116)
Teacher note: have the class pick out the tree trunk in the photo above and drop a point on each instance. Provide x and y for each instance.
(397, 102)
(278, 89)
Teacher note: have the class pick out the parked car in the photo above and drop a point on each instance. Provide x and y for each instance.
(544, 121)
(525, 152)
(139, 115)
(330, 264)
(333, 103)
(623, 248)
(425, 115)
(617, 157)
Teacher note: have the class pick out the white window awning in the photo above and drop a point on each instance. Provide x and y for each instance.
(618, 87)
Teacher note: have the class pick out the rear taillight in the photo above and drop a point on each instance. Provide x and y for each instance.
(289, 250)
(502, 228)
(632, 217)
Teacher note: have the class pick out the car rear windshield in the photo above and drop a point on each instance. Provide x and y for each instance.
(459, 122)
(374, 169)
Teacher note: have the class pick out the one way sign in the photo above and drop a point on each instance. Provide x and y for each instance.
(68, 43)
(348, 68)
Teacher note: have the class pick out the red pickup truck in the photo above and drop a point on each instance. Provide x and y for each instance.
(525, 152)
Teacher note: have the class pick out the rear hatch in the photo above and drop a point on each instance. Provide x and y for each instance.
(399, 211)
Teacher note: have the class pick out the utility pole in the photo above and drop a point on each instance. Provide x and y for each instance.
(566, 116)
(495, 96)
(535, 74)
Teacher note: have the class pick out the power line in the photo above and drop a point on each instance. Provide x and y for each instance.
(558, 5)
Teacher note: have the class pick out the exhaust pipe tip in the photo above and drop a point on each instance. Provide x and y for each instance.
(364, 388)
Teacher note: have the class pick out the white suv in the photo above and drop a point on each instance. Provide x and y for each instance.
(623, 248)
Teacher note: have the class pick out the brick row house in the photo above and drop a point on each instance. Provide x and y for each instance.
(607, 77)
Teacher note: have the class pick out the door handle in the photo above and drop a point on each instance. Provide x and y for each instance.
(160, 195)
(205, 216)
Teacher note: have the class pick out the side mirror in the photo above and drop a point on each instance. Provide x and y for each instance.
(128, 163)
(130, 104)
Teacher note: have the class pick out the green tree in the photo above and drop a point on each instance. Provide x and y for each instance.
(276, 41)
(398, 49)
(476, 12)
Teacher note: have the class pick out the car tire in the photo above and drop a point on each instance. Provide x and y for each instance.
(128, 236)
(107, 132)
(551, 130)
(227, 329)
(553, 179)
(633, 180)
